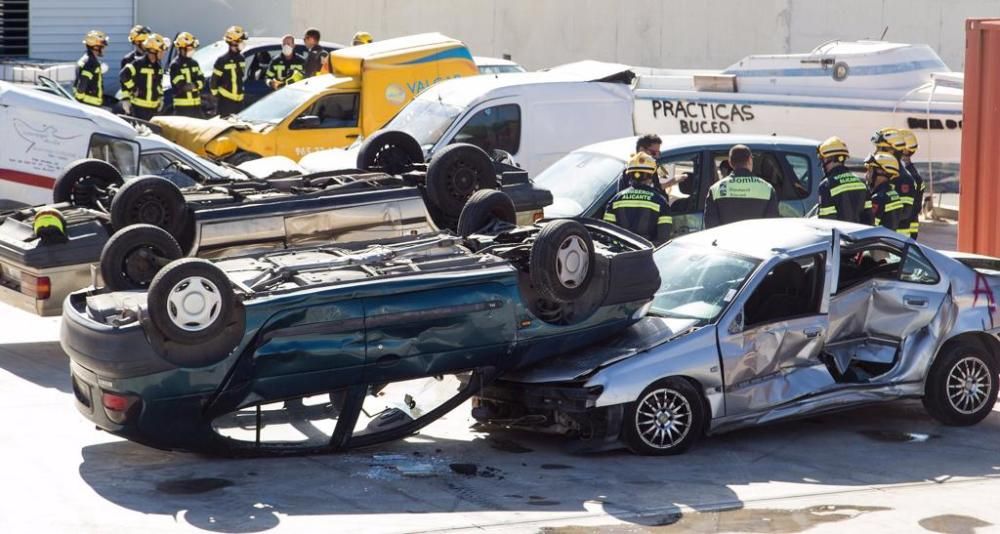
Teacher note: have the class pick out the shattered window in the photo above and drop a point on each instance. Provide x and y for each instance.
(918, 269)
(865, 263)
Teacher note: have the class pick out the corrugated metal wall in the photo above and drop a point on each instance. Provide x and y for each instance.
(58, 27)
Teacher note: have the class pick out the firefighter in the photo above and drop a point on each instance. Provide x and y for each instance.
(362, 38)
(918, 181)
(142, 80)
(315, 54)
(227, 76)
(186, 77)
(287, 68)
(891, 140)
(741, 195)
(887, 208)
(89, 84)
(842, 195)
(641, 208)
(136, 36)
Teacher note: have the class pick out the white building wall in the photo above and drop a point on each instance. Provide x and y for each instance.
(208, 19)
(57, 27)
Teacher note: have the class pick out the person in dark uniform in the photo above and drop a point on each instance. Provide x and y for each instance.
(887, 208)
(891, 140)
(186, 77)
(842, 195)
(88, 87)
(136, 36)
(918, 181)
(287, 68)
(142, 80)
(229, 73)
(315, 54)
(641, 208)
(741, 195)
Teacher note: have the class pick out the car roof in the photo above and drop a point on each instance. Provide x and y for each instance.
(764, 238)
(623, 147)
(20, 96)
(462, 91)
(484, 60)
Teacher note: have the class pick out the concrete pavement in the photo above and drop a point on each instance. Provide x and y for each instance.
(889, 468)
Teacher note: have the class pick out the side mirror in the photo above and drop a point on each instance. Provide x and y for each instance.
(736, 326)
(306, 122)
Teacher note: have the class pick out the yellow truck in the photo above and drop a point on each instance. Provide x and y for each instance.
(367, 85)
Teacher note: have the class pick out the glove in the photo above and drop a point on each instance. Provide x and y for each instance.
(127, 107)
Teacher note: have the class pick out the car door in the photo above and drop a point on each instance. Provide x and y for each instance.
(496, 126)
(772, 166)
(888, 293)
(328, 121)
(687, 198)
(771, 341)
(414, 333)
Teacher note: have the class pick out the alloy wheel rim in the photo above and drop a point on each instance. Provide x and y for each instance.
(663, 418)
(969, 385)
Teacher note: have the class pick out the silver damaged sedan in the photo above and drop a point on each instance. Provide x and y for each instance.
(767, 320)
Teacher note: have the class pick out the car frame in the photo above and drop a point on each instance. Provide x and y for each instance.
(797, 185)
(888, 318)
(344, 323)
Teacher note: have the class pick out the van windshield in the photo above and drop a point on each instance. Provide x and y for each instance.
(577, 181)
(274, 107)
(425, 119)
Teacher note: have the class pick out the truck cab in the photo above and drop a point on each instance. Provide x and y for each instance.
(365, 87)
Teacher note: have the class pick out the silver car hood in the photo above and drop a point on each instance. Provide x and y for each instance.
(640, 337)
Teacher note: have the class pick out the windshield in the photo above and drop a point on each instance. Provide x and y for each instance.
(577, 181)
(698, 282)
(274, 107)
(425, 119)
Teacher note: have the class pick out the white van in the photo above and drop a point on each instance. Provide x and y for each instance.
(45, 133)
(537, 117)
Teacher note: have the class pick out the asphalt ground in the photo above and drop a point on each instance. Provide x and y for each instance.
(887, 468)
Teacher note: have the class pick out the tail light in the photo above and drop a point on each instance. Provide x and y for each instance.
(118, 406)
(537, 216)
(39, 287)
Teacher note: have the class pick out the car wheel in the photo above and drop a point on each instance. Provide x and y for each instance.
(455, 173)
(667, 418)
(87, 183)
(562, 261)
(485, 211)
(149, 200)
(191, 301)
(961, 387)
(241, 157)
(133, 256)
(390, 151)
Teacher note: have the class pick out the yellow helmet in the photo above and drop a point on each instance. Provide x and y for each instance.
(361, 38)
(138, 34)
(890, 139)
(911, 141)
(95, 38)
(235, 34)
(885, 162)
(185, 40)
(833, 148)
(639, 164)
(155, 43)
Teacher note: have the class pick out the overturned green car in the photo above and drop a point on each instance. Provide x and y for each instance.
(332, 347)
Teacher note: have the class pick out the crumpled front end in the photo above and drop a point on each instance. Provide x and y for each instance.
(194, 134)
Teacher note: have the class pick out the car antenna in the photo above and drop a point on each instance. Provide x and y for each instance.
(885, 31)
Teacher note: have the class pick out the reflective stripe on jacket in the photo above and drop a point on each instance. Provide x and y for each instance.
(228, 76)
(643, 210)
(285, 70)
(89, 84)
(887, 208)
(844, 196)
(142, 83)
(738, 197)
(188, 81)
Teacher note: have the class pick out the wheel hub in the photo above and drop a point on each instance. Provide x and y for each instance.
(139, 265)
(463, 180)
(572, 262)
(194, 303)
(663, 418)
(969, 385)
(150, 210)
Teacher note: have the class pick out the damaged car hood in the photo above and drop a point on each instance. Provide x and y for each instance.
(640, 337)
(195, 133)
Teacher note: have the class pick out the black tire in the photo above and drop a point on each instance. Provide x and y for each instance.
(562, 261)
(86, 183)
(686, 416)
(455, 173)
(133, 256)
(945, 396)
(149, 200)
(484, 210)
(165, 292)
(241, 157)
(390, 151)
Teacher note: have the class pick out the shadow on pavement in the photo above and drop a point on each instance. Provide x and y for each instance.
(42, 363)
(887, 444)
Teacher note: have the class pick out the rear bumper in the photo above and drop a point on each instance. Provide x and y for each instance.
(62, 280)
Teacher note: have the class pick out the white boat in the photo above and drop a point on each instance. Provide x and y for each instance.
(844, 88)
